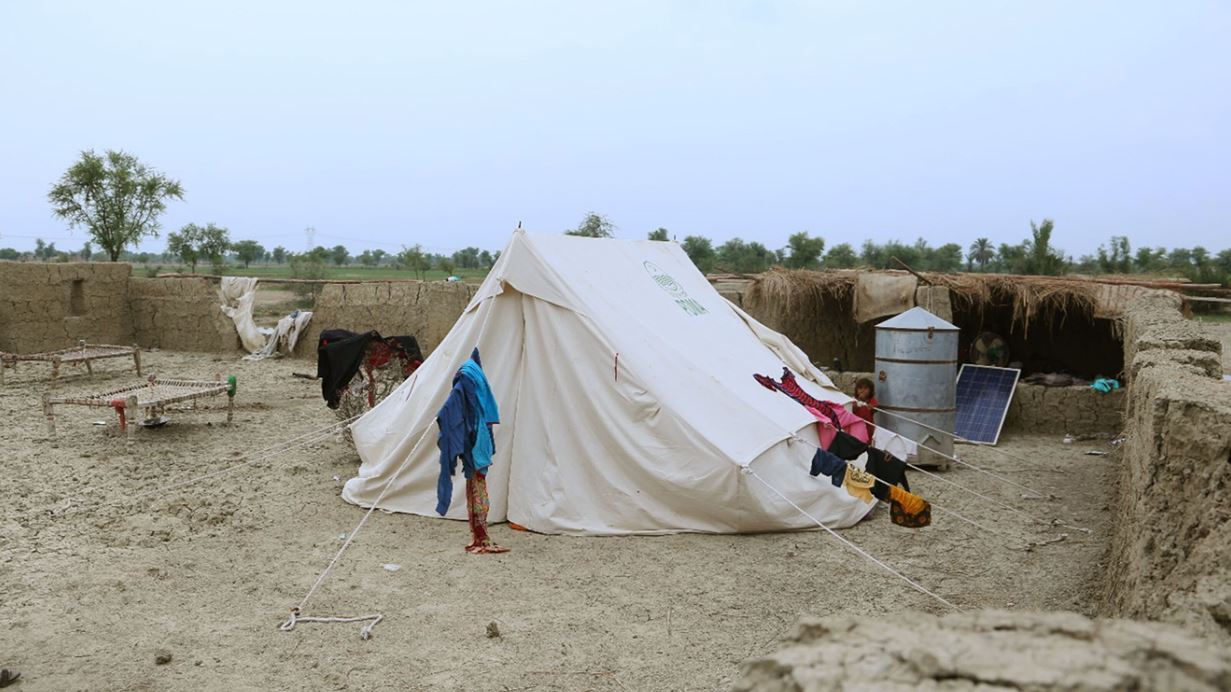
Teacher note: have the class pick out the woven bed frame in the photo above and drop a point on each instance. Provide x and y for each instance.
(81, 353)
(152, 398)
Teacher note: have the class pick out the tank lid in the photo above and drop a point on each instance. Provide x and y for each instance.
(917, 318)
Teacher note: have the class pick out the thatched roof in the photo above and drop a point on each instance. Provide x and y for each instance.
(803, 294)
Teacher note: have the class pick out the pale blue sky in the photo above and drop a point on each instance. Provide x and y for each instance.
(390, 123)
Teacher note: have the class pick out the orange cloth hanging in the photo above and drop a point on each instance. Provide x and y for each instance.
(907, 509)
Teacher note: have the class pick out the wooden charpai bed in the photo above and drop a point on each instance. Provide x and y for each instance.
(81, 353)
(151, 398)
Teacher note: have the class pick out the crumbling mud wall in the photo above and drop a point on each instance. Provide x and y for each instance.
(425, 310)
(1171, 550)
(1038, 409)
(47, 306)
(987, 650)
(180, 315)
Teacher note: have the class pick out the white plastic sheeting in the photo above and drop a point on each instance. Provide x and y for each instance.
(626, 397)
(284, 336)
(237, 294)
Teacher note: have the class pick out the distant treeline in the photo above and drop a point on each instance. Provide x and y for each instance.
(1036, 254)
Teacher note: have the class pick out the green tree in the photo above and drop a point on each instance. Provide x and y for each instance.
(9, 253)
(1011, 258)
(882, 256)
(701, 251)
(43, 251)
(1040, 256)
(593, 226)
(1118, 260)
(86, 252)
(1204, 268)
(446, 265)
(946, 258)
(841, 256)
(1180, 259)
(367, 259)
(803, 251)
(746, 258)
(248, 251)
(194, 243)
(339, 255)
(1121, 254)
(467, 258)
(658, 234)
(412, 258)
(1147, 260)
(981, 253)
(1223, 262)
(115, 197)
(279, 255)
(485, 260)
(379, 255)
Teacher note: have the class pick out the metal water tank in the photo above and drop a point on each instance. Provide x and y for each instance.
(916, 373)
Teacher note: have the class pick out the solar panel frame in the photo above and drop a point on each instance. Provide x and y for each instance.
(1004, 384)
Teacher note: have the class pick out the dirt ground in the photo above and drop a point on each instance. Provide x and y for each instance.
(102, 566)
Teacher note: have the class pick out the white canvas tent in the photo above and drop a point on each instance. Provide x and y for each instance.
(626, 397)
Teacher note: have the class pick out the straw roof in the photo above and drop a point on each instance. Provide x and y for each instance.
(802, 294)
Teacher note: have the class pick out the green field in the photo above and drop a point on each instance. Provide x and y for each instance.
(350, 273)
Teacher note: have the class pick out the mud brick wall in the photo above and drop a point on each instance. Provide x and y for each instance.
(46, 306)
(1171, 550)
(1039, 409)
(180, 315)
(425, 310)
(1057, 410)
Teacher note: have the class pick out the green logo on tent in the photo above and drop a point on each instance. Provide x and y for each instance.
(674, 289)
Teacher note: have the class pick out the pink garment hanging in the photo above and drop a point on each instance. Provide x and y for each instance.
(824, 429)
(851, 424)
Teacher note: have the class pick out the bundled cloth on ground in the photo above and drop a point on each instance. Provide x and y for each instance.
(625, 402)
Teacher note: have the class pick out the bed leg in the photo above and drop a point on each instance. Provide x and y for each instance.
(128, 412)
(49, 415)
(89, 368)
(137, 360)
(55, 371)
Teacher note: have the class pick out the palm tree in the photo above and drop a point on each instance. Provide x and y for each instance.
(981, 251)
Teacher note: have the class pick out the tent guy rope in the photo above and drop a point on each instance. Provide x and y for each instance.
(943, 510)
(955, 458)
(1003, 505)
(289, 624)
(914, 584)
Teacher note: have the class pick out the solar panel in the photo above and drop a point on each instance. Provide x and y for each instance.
(983, 396)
